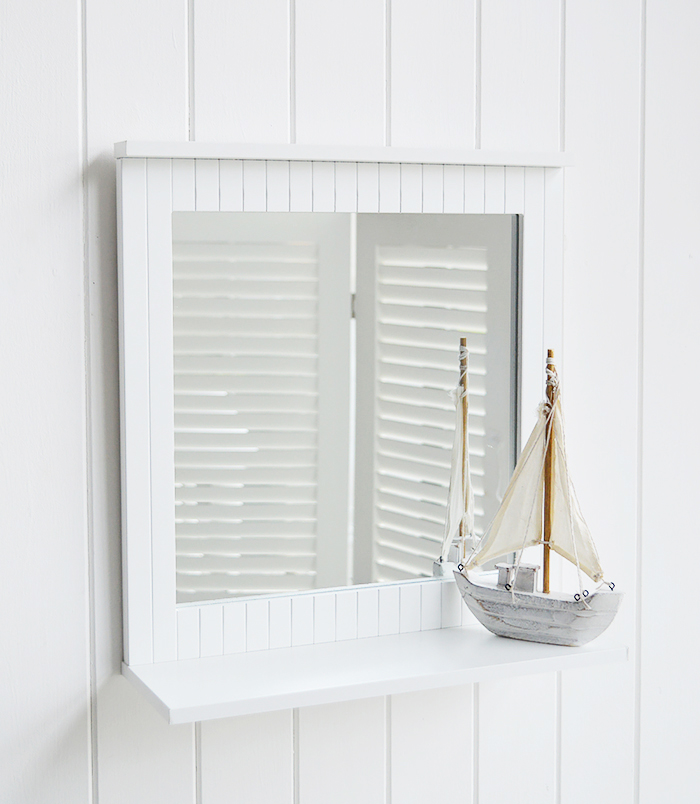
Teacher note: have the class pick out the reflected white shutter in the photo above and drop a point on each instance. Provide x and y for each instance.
(260, 472)
(425, 297)
(246, 409)
(426, 300)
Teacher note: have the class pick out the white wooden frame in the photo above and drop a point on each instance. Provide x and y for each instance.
(151, 185)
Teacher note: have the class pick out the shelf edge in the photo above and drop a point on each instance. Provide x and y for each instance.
(185, 680)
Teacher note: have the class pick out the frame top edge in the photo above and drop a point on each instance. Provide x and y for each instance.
(337, 153)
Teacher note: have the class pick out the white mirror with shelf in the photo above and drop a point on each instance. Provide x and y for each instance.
(362, 506)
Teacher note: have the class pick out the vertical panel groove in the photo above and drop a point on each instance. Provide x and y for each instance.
(640, 411)
(295, 751)
(292, 73)
(557, 737)
(89, 512)
(387, 72)
(477, 76)
(475, 744)
(198, 763)
(387, 729)
(562, 76)
(150, 472)
(190, 70)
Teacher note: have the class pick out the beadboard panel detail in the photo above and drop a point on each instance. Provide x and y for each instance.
(151, 189)
(239, 626)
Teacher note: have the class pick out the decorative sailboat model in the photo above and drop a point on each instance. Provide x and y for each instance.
(539, 507)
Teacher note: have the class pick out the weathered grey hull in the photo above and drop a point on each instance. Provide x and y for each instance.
(556, 619)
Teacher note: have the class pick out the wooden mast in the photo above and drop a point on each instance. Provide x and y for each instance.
(463, 361)
(548, 477)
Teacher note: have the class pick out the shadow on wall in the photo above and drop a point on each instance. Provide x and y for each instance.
(103, 422)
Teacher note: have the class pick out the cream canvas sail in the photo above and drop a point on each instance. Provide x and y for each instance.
(518, 522)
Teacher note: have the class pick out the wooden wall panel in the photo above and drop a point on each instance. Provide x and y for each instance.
(346, 615)
(206, 185)
(669, 695)
(601, 351)
(300, 187)
(434, 188)
(367, 188)
(431, 746)
(346, 187)
(44, 594)
(532, 299)
(247, 760)
(254, 185)
(240, 74)
(389, 187)
(342, 753)
(231, 185)
(211, 634)
(553, 257)
(494, 190)
(281, 623)
(411, 188)
(323, 186)
(185, 185)
(596, 729)
(277, 178)
(339, 72)
(517, 735)
(474, 179)
(141, 758)
(520, 75)
(187, 633)
(453, 178)
(257, 624)
(432, 73)
(136, 87)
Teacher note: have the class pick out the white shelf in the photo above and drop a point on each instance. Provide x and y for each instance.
(224, 686)
(337, 153)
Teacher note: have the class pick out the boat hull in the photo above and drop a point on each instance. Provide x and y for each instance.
(555, 619)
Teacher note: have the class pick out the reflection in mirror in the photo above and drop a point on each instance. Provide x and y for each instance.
(314, 355)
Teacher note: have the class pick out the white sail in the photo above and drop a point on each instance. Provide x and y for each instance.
(570, 536)
(460, 500)
(518, 522)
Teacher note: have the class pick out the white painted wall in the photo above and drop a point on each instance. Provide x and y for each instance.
(617, 85)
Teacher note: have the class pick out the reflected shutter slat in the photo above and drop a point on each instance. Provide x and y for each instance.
(246, 416)
(426, 299)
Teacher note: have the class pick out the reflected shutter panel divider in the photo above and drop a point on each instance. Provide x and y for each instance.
(334, 371)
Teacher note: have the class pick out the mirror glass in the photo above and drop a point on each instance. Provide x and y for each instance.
(314, 355)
